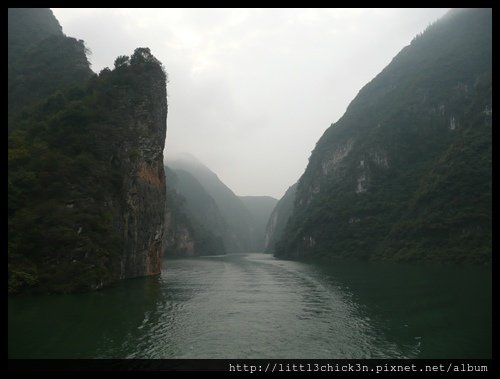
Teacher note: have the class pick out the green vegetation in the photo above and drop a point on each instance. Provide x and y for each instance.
(41, 59)
(65, 180)
(405, 174)
(54, 206)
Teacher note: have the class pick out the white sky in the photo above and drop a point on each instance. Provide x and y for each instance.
(251, 91)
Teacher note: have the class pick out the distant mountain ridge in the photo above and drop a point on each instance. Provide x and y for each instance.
(243, 218)
(239, 233)
(195, 225)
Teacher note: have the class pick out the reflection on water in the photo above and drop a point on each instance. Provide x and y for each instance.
(255, 306)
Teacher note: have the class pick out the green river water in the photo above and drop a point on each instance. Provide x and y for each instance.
(257, 306)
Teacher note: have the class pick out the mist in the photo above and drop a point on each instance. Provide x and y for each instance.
(251, 90)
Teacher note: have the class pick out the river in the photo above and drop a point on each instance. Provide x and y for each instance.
(257, 306)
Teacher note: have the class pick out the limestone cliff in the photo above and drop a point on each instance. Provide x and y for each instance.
(86, 195)
(141, 105)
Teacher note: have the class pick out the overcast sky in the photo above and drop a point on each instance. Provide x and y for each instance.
(251, 91)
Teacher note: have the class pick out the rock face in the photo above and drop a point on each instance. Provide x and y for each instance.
(405, 174)
(143, 111)
(86, 179)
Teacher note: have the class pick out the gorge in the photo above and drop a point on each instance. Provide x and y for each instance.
(119, 248)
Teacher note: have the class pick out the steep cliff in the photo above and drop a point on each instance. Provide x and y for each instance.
(86, 181)
(278, 219)
(138, 103)
(405, 174)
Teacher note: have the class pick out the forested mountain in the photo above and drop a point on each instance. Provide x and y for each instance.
(405, 173)
(86, 185)
(30, 25)
(41, 59)
(238, 236)
(194, 223)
